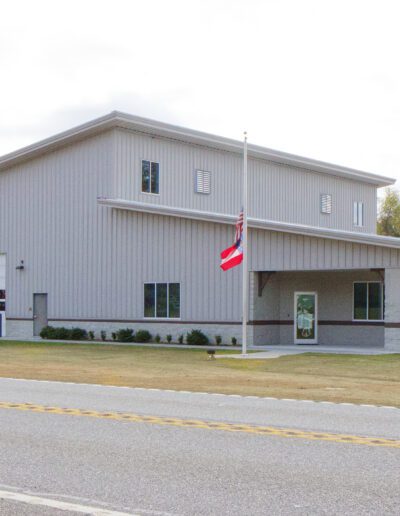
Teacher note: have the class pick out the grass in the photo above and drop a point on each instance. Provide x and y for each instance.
(338, 378)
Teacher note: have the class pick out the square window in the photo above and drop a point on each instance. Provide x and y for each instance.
(368, 301)
(162, 300)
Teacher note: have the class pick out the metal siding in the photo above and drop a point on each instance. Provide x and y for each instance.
(92, 261)
(278, 192)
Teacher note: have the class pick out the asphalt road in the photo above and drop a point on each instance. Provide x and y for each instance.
(152, 469)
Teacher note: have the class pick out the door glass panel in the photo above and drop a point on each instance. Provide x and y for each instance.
(374, 301)
(305, 317)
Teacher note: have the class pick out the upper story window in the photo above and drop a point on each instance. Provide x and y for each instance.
(358, 213)
(326, 203)
(202, 182)
(150, 177)
(368, 301)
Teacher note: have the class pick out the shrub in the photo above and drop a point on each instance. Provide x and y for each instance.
(91, 335)
(47, 332)
(234, 341)
(197, 338)
(114, 335)
(180, 339)
(169, 338)
(125, 335)
(61, 333)
(142, 336)
(218, 340)
(103, 335)
(78, 334)
(157, 338)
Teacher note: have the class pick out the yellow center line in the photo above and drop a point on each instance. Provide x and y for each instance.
(206, 425)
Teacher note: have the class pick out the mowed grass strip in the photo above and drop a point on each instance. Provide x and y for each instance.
(313, 376)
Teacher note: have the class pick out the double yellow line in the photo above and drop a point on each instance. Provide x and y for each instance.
(206, 425)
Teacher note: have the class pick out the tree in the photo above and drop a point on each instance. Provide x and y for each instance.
(389, 214)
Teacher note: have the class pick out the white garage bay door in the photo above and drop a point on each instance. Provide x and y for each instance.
(2, 295)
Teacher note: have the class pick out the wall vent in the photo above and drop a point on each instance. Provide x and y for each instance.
(326, 203)
(202, 182)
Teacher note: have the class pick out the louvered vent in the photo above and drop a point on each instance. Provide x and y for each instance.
(326, 203)
(203, 182)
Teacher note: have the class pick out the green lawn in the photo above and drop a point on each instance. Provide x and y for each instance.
(351, 378)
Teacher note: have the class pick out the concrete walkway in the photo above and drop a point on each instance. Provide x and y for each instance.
(267, 352)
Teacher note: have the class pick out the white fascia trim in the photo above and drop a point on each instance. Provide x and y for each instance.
(161, 129)
(272, 225)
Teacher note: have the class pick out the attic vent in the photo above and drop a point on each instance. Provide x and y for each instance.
(326, 203)
(202, 182)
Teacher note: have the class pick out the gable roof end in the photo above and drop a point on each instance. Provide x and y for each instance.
(161, 129)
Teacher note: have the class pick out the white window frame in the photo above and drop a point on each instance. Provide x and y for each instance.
(382, 298)
(141, 176)
(358, 214)
(168, 283)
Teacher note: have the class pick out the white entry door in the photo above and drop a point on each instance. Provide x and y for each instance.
(305, 318)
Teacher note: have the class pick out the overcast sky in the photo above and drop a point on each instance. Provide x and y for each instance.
(318, 78)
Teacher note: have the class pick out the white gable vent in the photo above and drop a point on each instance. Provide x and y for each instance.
(326, 203)
(202, 182)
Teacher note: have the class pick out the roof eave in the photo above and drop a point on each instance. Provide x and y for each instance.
(135, 123)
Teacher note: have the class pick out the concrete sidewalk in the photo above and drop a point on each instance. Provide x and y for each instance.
(267, 352)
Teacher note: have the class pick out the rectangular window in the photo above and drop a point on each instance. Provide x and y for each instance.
(326, 203)
(202, 182)
(150, 177)
(162, 300)
(368, 301)
(358, 213)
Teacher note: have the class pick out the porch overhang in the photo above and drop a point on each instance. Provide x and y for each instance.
(266, 224)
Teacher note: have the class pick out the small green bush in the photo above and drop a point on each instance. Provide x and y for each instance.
(142, 336)
(234, 341)
(103, 335)
(218, 340)
(169, 338)
(197, 338)
(157, 338)
(125, 335)
(91, 335)
(78, 334)
(180, 339)
(114, 335)
(61, 333)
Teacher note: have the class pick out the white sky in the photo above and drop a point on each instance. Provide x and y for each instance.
(319, 78)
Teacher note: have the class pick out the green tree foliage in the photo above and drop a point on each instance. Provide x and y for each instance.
(389, 214)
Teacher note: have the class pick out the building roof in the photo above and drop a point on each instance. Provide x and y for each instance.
(143, 125)
(272, 225)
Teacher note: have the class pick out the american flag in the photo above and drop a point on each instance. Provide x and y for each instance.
(239, 227)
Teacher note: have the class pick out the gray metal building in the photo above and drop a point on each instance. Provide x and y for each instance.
(120, 222)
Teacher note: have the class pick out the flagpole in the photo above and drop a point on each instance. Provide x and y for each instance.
(245, 282)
